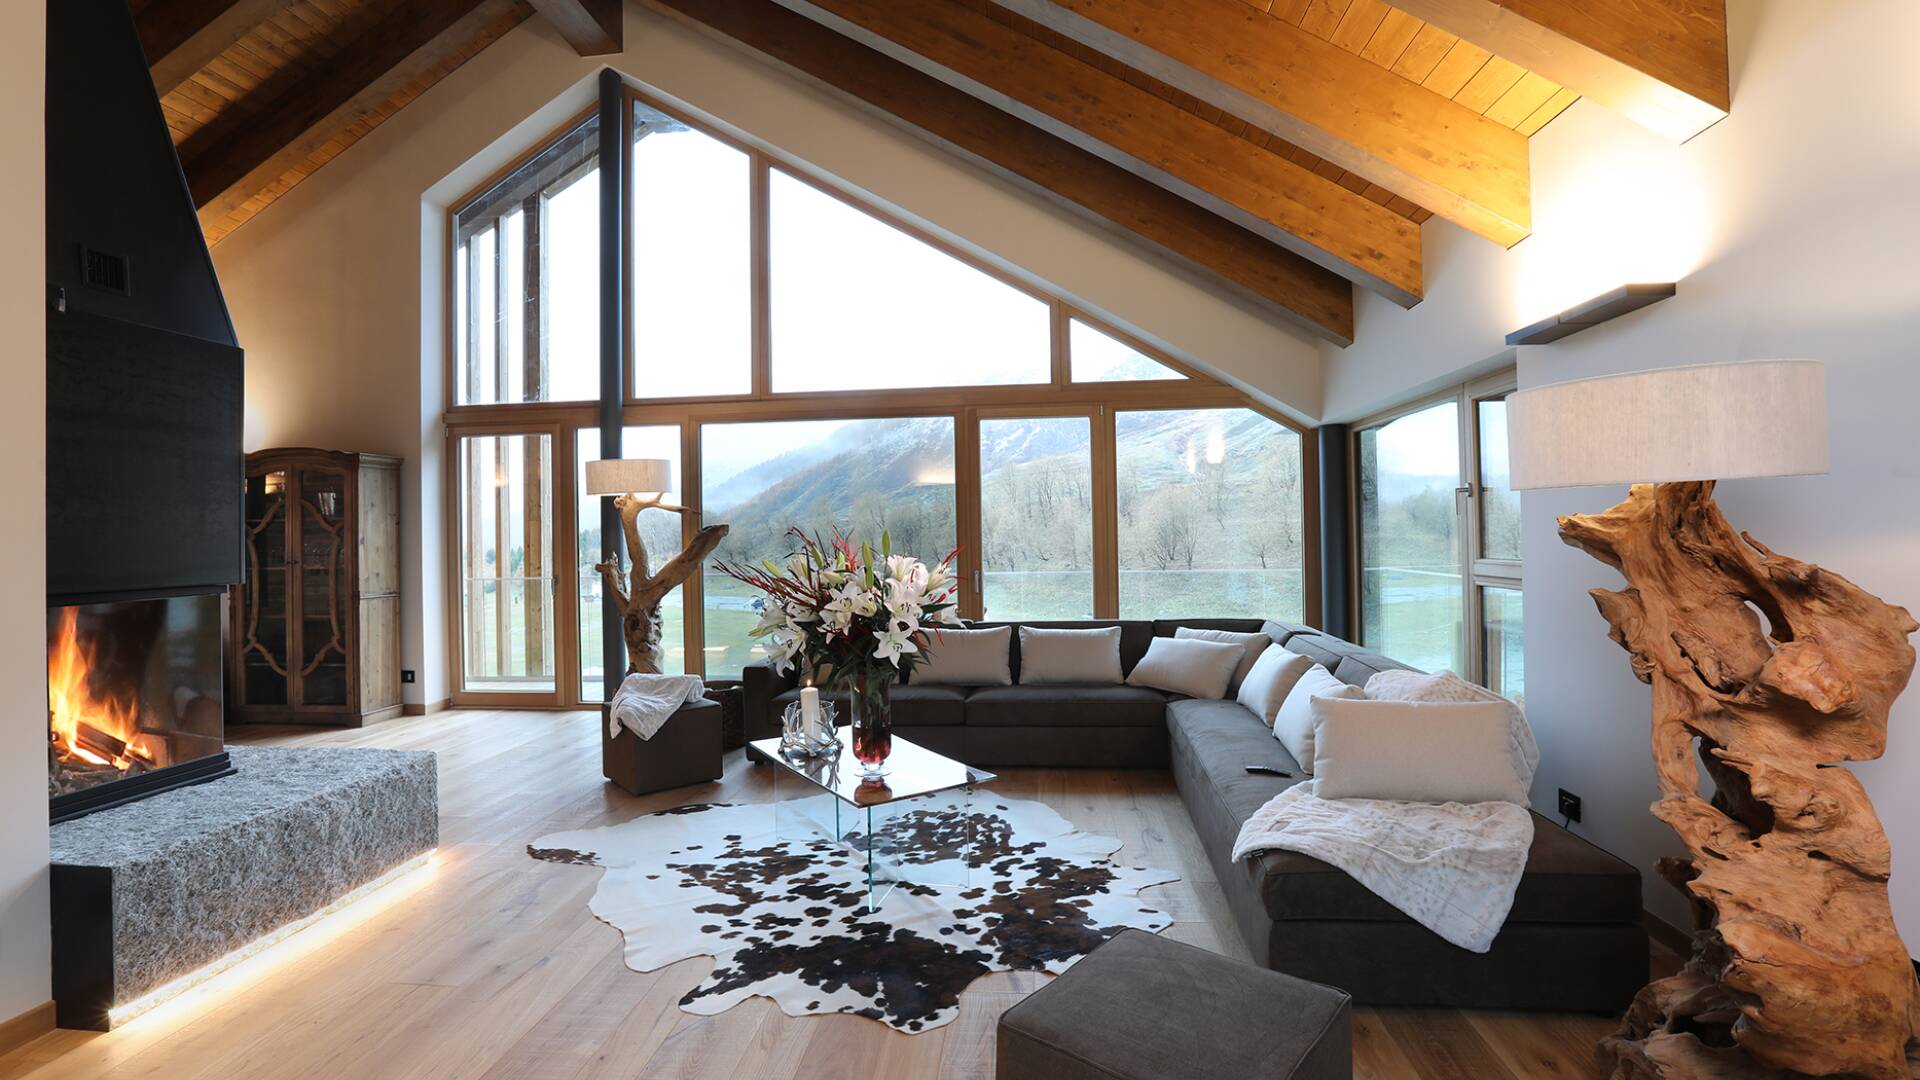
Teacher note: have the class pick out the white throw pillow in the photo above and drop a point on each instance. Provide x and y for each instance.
(967, 658)
(1267, 685)
(1198, 669)
(1446, 686)
(1293, 724)
(1069, 656)
(1252, 645)
(1414, 751)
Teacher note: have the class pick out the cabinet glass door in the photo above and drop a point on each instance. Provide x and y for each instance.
(266, 605)
(322, 566)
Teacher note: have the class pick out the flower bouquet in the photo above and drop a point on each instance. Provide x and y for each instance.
(855, 620)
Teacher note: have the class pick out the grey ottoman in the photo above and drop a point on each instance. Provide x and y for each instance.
(686, 750)
(1142, 1007)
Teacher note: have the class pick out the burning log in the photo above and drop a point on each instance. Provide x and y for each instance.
(90, 738)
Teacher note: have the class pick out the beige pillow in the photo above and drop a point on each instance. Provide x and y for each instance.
(967, 658)
(1069, 656)
(1267, 685)
(1446, 686)
(1251, 644)
(1414, 751)
(1293, 724)
(1198, 669)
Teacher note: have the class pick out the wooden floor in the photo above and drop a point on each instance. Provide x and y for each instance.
(488, 965)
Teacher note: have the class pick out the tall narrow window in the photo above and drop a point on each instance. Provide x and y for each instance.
(1211, 522)
(692, 276)
(1411, 603)
(860, 305)
(1036, 517)
(1439, 538)
(862, 476)
(527, 280)
(659, 531)
(506, 563)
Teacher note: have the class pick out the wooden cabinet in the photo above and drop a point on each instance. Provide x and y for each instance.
(315, 633)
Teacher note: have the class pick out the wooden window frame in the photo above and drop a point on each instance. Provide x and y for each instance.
(966, 405)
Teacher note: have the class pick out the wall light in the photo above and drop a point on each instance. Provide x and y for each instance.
(1608, 305)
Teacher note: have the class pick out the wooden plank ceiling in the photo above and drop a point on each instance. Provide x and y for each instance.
(1288, 148)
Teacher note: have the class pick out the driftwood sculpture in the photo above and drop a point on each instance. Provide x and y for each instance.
(639, 597)
(1778, 669)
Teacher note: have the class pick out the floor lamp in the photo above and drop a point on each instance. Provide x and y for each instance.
(1770, 669)
(640, 484)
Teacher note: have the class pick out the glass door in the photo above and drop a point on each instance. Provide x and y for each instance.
(1412, 599)
(510, 606)
(323, 531)
(660, 531)
(1036, 517)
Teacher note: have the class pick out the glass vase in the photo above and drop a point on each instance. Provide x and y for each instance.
(872, 725)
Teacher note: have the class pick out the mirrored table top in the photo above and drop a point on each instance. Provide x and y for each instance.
(912, 771)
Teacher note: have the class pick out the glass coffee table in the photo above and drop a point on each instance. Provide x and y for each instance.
(915, 826)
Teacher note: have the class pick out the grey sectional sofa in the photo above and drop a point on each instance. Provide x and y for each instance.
(1574, 940)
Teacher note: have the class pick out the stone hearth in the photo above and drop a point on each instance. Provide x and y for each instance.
(148, 893)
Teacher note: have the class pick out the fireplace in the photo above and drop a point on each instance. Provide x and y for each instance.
(134, 700)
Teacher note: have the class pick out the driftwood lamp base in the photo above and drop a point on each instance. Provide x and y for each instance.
(1774, 670)
(639, 597)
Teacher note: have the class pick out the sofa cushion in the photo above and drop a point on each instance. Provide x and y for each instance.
(1135, 634)
(913, 705)
(1053, 656)
(961, 657)
(1190, 666)
(1252, 645)
(1225, 737)
(1067, 705)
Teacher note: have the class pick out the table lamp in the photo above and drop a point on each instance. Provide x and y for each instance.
(641, 484)
(1774, 669)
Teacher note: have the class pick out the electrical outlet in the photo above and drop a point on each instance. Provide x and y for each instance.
(406, 675)
(1569, 805)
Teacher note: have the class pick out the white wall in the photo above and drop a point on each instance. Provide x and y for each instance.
(1792, 227)
(339, 314)
(24, 958)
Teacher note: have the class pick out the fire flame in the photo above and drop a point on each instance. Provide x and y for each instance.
(72, 703)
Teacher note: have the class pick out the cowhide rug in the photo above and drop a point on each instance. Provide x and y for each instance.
(787, 918)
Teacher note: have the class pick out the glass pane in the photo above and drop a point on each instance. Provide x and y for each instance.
(1096, 357)
(323, 587)
(864, 476)
(1501, 640)
(1036, 517)
(1212, 515)
(1499, 505)
(659, 531)
(692, 284)
(1410, 596)
(527, 280)
(264, 639)
(857, 304)
(506, 563)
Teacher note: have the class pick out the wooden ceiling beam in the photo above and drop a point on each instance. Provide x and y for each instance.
(592, 27)
(1662, 63)
(1104, 115)
(244, 150)
(181, 37)
(1318, 96)
(1308, 295)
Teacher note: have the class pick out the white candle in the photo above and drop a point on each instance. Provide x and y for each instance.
(810, 713)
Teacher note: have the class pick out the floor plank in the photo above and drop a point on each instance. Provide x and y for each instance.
(492, 967)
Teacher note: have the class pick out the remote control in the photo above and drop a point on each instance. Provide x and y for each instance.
(1268, 770)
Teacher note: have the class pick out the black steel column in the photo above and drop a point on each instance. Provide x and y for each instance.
(1336, 537)
(613, 339)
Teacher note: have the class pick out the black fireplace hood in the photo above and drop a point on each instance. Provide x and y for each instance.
(144, 375)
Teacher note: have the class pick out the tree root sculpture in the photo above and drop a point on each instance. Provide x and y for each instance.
(1777, 669)
(639, 597)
